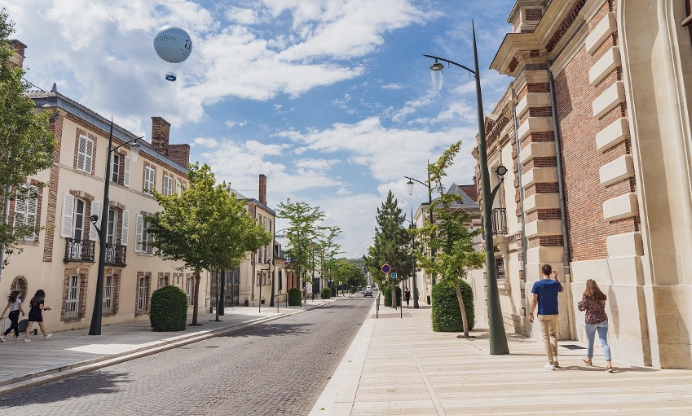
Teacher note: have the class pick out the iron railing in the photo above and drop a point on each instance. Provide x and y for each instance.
(116, 255)
(79, 250)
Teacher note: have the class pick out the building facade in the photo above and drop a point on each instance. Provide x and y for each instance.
(595, 129)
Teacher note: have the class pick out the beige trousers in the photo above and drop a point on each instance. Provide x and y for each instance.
(549, 330)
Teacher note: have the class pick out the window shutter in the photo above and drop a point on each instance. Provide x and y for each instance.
(88, 160)
(96, 210)
(31, 211)
(81, 151)
(139, 230)
(126, 173)
(125, 227)
(179, 187)
(66, 229)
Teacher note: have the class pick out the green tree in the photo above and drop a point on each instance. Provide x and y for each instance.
(347, 273)
(329, 249)
(449, 237)
(391, 243)
(302, 235)
(205, 227)
(26, 147)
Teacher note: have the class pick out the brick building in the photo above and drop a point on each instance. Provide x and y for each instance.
(595, 130)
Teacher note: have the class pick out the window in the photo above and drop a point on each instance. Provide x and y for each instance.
(108, 289)
(72, 301)
(142, 292)
(112, 226)
(143, 238)
(149, 179)
(179, 186)
(115, 168)
(25, 209)
(188, 290)
(167, 185)
(85, 154)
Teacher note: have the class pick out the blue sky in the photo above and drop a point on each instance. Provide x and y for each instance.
(331, 99)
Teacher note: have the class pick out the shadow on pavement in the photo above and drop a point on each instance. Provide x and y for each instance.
(269, 330)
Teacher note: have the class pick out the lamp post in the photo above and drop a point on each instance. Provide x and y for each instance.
(95, 328)
(413, 262)
(498, 338)
(409, 184)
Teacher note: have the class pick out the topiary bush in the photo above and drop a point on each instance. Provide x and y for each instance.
(168, 309)
(295, 297)
(326, 293)
(446, 315)
(387, 293)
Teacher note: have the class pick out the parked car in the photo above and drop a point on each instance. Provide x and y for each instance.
(368, 291)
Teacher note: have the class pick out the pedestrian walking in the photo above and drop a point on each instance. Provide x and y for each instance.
(14, 304)
(36, 314)
(545, 294)
(593, 303)
(407, 296)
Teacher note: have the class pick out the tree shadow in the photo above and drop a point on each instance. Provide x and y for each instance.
(97, 382)
(269, 330)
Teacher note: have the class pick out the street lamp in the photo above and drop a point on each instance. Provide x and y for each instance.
(95, 328)
(409, 185)
(413, 260)
(498, 338)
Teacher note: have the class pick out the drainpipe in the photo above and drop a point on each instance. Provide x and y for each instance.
(563, 214)
(521, 198)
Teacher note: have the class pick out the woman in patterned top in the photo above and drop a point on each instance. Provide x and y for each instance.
(593, 302)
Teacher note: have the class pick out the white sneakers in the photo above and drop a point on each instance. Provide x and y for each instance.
(48, 336)
(549, 367)
(26, 339)
(2, 339)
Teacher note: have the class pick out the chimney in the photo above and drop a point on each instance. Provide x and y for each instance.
(180, 153)
(262, 189)
(160, 132)
(17, 58)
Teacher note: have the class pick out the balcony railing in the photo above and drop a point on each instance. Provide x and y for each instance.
(116, 255)
(79, 251)
(499, 221)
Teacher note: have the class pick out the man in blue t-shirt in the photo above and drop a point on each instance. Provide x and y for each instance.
(545, 292)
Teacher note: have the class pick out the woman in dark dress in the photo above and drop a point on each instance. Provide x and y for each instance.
(36, 314)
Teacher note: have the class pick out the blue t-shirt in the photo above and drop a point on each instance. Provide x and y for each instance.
(547, 291)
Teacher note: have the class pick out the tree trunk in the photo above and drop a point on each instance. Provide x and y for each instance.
(195, 300)
(464, 320)
(222, 294)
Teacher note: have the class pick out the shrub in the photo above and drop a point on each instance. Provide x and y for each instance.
(446, 315)
(326, 293)
(295, 297)
(387, 293)
(168, 309)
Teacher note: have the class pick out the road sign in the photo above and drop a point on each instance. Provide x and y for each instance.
(394, 275)
(386, 268)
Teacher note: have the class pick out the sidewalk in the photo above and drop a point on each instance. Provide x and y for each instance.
(70, 353)
(399, 366)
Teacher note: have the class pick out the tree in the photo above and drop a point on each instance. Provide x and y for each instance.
(347, 273)
(302, 235)
(26, 147)
(328, 250)
(391, 243)
(449, 237)
(205, 227)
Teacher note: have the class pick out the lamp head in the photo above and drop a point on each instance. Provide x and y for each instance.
(501, 171)
(437, 75)
(94, 218)
(409, 185)
(134, 148)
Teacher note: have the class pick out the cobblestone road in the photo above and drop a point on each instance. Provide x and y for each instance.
(277, 368)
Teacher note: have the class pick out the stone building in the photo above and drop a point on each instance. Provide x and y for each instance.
(595, 128)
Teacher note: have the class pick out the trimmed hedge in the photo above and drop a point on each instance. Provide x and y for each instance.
(168, 309)
(387, 293)
(295, 297)
(446, 315)
(326, 293)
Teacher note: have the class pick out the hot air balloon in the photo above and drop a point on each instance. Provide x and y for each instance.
(174, 46)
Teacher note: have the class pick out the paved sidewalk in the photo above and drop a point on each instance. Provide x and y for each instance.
(399, 366)
(69, 353)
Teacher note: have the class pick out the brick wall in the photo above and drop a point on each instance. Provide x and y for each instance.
(180, 153)
(160, 134)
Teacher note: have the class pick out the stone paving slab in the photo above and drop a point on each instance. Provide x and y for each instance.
(400, 366)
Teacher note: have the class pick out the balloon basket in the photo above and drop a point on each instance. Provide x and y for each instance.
(170, 76)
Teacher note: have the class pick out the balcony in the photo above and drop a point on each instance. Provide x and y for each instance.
(116, 255)
(79, 251)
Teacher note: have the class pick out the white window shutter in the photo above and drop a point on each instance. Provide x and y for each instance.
(81, 151)
(66, 229)
(139, 231)
(31, 211)
(95, 210)
(126, 173)
(125, 227)
(89, 155)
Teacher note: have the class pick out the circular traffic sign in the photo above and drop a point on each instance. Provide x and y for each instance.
(386, 268)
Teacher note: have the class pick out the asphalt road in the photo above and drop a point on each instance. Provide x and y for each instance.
(276, 368)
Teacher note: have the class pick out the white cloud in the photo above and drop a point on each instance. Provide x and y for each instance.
(230, 124)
